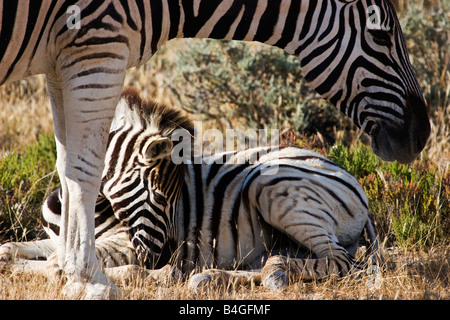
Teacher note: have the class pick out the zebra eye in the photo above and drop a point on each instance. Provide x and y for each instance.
(381, 37)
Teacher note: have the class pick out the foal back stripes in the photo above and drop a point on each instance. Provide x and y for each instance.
(231, 210)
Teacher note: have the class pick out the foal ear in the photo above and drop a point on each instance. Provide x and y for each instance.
(159, 148)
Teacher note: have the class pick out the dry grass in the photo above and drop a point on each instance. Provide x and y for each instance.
(23, 103)
(407, 276)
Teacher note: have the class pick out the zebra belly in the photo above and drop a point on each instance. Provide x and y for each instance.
(247, 242)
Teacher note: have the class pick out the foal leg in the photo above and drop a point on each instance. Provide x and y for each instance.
(223, 277)
(166, 275)
(33, 257)
(332, 260)
(32, 250)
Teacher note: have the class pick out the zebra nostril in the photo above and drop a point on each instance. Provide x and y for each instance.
(381, 143)
(419, 136)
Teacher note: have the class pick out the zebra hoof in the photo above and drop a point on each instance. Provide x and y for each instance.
(6, 253)
(6, 257)
(199, 281)
(99, 291)
(90, 291)
(276, 281)
(4, 265)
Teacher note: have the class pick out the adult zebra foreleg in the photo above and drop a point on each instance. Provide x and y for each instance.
(83, 107)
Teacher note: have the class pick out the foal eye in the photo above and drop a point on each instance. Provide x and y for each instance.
(381, 37)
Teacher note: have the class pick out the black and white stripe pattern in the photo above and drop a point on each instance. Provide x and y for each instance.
(364, 72)
(230, 215)
(140, 184)
(235, 216)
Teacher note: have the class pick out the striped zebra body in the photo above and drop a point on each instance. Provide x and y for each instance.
(85, 47)
(234, 216)
(230, 210)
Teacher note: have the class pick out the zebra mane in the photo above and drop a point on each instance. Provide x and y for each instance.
(134, 111)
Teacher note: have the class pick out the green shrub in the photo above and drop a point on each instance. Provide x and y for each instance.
(243, 85)
(25, 179)
(411, 203)
(360, 161)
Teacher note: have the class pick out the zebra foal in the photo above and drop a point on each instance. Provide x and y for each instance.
(351, 57)
(303, 220)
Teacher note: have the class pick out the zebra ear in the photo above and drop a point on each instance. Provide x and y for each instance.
(158, 149)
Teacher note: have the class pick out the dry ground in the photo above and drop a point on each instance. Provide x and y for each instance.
(407, 275)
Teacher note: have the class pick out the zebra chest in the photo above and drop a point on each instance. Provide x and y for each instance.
(224, 236)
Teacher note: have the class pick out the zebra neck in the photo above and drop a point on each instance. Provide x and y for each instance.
(273, 22)
(167, 180)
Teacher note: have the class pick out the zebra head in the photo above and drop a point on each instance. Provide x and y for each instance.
(140, 179)
(150, 127)
(357, 59)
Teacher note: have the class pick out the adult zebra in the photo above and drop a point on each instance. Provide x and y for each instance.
(289, 211)
(362, 68)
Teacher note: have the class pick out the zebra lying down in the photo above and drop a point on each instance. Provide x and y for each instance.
(303, 221)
